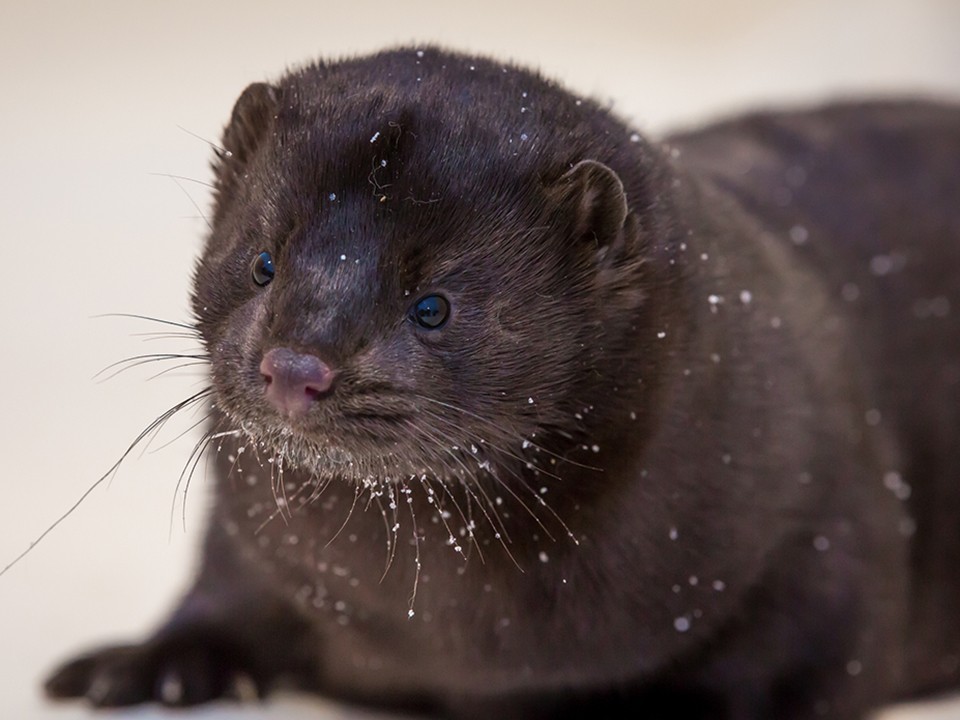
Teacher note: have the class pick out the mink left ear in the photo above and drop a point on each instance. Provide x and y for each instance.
(251, 119)
(591, 197)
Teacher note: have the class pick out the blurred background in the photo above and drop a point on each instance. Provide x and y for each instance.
(99, 101)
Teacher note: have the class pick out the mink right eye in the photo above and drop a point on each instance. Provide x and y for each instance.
(262, 269)
(431, 312)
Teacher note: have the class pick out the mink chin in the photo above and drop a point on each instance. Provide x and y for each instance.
(520, 415)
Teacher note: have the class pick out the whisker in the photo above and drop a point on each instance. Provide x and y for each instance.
(280, 456)
(195, 455)
(184, 178)
(540, 501)
(488, 424)
(492, 505)
(227, 433)
(192, 461)
(190, 429)
(526, 507)
(278, 511)
(181, 366)
(442, 419)
(146, 317)
(467, 522)
(452, 540)
(192, 202)
(416, 545)
(109, 473)
(543, 503)
(493, 427)
(318, 490)
(159, 427)
(231, 476)
(153, 336)
(498, 534)
(137, 360)
(395, 526)
(281, 503)
(386, 524)
(221, 150)
(356, 496)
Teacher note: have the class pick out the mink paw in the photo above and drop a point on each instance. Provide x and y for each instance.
(177, 676)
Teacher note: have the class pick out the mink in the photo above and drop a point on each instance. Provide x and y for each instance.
(519, 414)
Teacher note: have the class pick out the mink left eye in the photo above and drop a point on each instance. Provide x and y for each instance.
(431, 312)
(262, 269)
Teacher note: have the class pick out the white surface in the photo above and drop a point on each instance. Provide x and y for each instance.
(91, 96)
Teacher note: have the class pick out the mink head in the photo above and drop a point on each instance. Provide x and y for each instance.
(421, 262)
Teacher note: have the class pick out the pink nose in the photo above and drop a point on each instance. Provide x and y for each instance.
(294, 380)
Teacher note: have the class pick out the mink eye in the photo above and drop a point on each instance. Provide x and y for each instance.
(431, 312)
(262, 269)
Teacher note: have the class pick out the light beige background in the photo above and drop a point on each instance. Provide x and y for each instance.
(92, 96)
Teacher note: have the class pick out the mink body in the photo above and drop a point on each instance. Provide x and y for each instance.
(683, 443)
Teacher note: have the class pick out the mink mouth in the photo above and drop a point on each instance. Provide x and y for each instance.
(360, 452)
(346, 427)
(356, 422)
(363, 433)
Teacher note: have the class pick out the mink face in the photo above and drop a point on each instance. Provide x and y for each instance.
(457, 284)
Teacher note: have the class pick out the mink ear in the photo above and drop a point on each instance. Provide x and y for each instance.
(252, 116)
(591, 202)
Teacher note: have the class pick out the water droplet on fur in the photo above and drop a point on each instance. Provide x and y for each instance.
(892, 480)
(850, 292)
(171, 688)
(881, 265)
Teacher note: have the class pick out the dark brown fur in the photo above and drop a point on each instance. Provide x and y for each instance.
(686, 446)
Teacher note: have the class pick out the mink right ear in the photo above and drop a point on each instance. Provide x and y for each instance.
(252, 115)
(591, 198)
